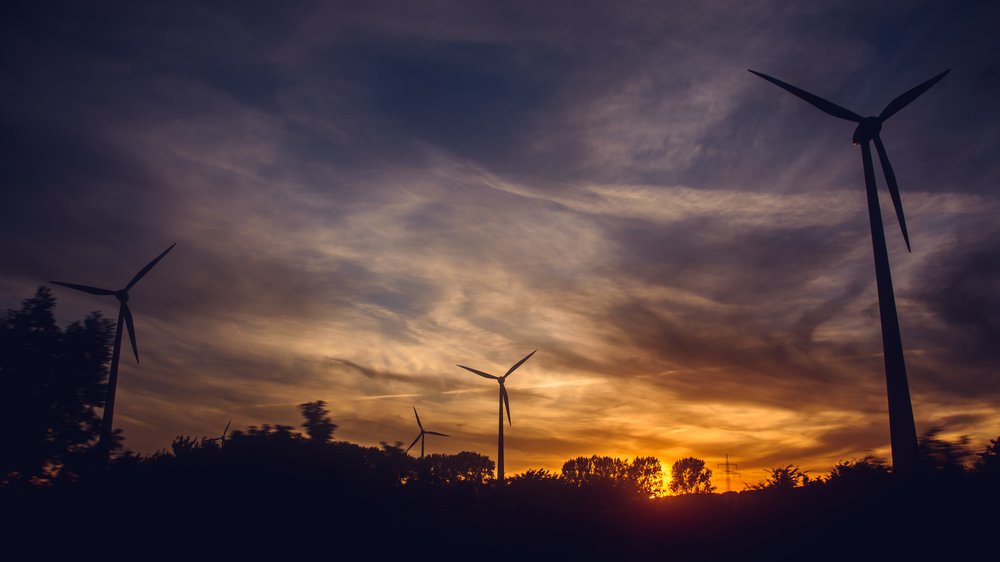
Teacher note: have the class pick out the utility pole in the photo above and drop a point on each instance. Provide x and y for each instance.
(729, 471)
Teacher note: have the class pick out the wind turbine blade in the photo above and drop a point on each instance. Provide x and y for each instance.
(414, 443)
(131, 330)
(149, 266)
(478, 372)
(84, 288)
(436, 433)
(906, 98)
(420, 425)
(225, 431)
(890, 179)
(820, 103)
(506, 402)
(518, 364)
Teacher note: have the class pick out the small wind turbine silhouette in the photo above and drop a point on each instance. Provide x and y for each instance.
(124, 317)
(222, 438)
(504, 403)
(420, 437)
(902, 432)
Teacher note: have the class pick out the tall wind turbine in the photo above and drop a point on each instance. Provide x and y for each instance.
(504, 403)
(902, 432)
(420, 437)
(124, 317)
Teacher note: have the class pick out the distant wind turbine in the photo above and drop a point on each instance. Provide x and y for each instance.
(902, 432)
(124, 317)
(504, 403)
(420, 437)
(222, 438)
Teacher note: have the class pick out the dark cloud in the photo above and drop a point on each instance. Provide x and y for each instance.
(367, 372)
(958, 289)
(731, 264)
(473, 99)
(961, 286)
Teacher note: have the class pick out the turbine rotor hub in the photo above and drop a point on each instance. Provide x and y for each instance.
(867, 129)
(121, 295)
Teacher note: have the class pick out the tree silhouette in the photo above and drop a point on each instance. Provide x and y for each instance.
(394, 460)
(863, 473)
(989, 459)
(643, 475)
(646, 473)
(52, 381)
(594, 471)
(184, 445)
(782, 478)
(689, 476)
(342, 491)
(463, 469)
(533, 475)
(942, 457)
(318, 425)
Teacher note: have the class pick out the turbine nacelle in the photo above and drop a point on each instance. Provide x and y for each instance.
(867, 129)
(122, 295)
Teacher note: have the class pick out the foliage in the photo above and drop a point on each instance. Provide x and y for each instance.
(594, 471)
(859, 473)
(317, 422)
(585, 471)
(463, 469)
(533, 475)
(184, 445)
(642, 475)
(268, 432)
(53, 381)
(646, 473)
(942, 457)
(782, 479)
(689, 476)
(989, 459)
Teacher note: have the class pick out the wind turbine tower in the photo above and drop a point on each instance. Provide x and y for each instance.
(504, 403)
(902, 431)
(124, 319)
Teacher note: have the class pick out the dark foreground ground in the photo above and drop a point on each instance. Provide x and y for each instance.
(259, 515)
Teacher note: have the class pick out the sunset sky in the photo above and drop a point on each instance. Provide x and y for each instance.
(364, 194)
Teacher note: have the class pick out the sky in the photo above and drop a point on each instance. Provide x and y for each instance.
(364, 195)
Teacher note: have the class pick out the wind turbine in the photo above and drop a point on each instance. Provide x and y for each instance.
(124, 317)
(421, 436)
(902, 432)
(222, 438)
(504, 402)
